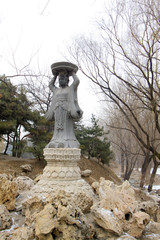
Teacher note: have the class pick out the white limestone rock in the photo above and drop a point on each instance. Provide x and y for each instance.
(86, 173)
(153, 227)
(158, 215)
(106, 219)
(117, 209)
(23, 233)
(95, 186)
(150, 207)
(137, 223)
(8, 193)
(5, 218)
(6, 176)
(24, 183)
(126, 237)
(26, 168)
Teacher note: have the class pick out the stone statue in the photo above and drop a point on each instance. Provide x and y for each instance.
(63, 153)
(64, 107)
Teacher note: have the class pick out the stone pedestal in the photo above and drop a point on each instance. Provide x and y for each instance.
(61, 173)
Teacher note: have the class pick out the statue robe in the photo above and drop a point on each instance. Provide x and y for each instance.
(64, 110)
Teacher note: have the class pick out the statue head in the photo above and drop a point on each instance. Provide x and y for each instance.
(63, 79)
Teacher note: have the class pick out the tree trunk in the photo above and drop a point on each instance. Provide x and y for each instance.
(14, 149)
(122, 164)
(89, 154)
(127, 168)
(89, 151)
(6, 148)
(148, 173)
(130, 169)
(156, 164)
(144, 169)
(127, 175)
(14, 146)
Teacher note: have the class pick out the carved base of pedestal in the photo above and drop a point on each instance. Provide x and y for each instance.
(61, 173)
(52, 187)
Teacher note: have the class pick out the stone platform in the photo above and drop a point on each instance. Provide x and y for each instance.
(61, 173)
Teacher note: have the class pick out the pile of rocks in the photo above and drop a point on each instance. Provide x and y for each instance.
(114, 213)
(120, 209)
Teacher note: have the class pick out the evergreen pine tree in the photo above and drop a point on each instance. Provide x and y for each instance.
(15, 113)
(41, 132)
(93, 141)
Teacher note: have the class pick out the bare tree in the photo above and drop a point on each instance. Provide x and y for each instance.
(38, 91)
(128, 58)
(35, 85)
(126, 147)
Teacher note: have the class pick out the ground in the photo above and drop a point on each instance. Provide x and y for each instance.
(11, 165)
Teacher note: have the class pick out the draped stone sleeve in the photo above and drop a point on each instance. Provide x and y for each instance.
(49, 115)
(75, 111)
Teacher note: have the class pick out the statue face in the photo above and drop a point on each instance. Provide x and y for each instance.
(63, 80)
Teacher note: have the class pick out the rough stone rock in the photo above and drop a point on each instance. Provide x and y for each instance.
(21, 198)
(17, 219)
(45, 222)
(5, 235)
(30, 208)
(158, 215)
(36, 211)
(66, 232)
(38, 178)
(101, 233)
(117, 197)
(62, 219)
(126, 237)
(150, 208)
(86, 173)
(95, 186)
(24, 183)
(5, 218)
(153, 227)
(26, 168)
(117, 210)
(73, 224)
(145, 196)
(137, 224)
(23, 233)
(106, 219)
(83, 201)
(150, 236)
(8, 193)
(6, 176)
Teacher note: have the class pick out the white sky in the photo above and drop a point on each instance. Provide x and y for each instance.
(28, 27)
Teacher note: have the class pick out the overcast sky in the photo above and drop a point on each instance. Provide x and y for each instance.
(43, 28)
